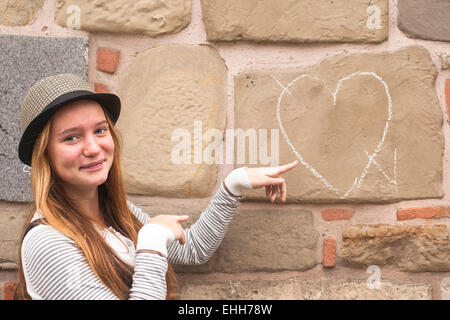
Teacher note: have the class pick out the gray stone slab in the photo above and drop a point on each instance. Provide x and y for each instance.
(25, 60)
(425, 19)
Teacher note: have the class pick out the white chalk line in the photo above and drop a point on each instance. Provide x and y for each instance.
(357, 181)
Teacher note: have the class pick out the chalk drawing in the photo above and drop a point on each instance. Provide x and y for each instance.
(371, 157)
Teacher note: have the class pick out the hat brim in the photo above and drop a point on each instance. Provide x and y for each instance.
(110, 103)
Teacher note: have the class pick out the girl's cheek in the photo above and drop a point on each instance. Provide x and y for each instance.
(68, 156)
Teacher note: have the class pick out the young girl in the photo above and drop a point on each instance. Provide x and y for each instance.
(84, 240)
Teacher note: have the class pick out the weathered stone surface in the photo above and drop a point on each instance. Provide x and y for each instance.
(12, 219)
(265, 240)
(26, 60)
(151, 18)
(445, 289)
(445, 60)
(365, 127)
(19, 12)
(172, 95)
(300, 289)
(425, 19)
(409, 248)
(296, 21)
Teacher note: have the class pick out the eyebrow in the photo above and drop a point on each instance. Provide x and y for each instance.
(77, 128)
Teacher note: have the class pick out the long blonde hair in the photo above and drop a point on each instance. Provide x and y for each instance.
(61, 214)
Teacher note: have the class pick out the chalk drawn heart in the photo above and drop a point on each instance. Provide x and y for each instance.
(359, 176)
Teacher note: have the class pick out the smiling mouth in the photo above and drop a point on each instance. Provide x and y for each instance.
(93, 166)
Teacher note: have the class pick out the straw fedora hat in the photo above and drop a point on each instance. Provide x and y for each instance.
(48, 95)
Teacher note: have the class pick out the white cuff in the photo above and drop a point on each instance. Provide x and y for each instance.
(237, 180)
(153, 236)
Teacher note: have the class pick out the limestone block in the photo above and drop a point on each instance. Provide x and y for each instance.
(301, 289)
(265, 240)
(445, 60)
(19, 12)
(445, 289)
(173, 113)
(296, 21)
(25, 60)
(150, 18)
(365, 127)
(12, 219)
(420, 248)
(425, 19)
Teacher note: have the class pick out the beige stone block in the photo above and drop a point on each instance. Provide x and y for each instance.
(296, 21)
(365, 127)
(12, 219)
(420, 248)
(445, 289)
(150, 18)
(265, 240)
(445, 60)
(19, 12)
(172, 119)
(300, 289)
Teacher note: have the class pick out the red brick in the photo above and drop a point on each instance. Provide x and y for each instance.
(107, 59)
(329, 252)
(422, 213)
(336, 214)
(447, 98)
(101, 88)
(8, 290)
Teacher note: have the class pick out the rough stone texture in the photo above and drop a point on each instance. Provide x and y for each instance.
(425, 19)
(409, 248)
(151, 18)
(337, 119)
(265, 240)
(12, 219)
(445, 60)
(447, 98)
(445, 289)
(19, 12)
(26, 60)
(296, 20)
(299, 289)
(167, 89)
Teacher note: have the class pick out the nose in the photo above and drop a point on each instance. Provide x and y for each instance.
(91, 146)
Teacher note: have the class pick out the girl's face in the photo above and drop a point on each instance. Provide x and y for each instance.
(80, 146)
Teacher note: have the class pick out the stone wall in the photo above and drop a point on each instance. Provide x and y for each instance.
(357, 91)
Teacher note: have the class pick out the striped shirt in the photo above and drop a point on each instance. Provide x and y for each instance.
(56, 269)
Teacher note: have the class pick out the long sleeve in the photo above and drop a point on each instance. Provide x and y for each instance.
(56, 269)
(206, 234)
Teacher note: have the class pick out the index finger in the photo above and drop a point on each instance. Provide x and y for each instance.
(286, 167)
(181, 218)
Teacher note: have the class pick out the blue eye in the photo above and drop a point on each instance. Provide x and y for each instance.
(100, 131)
(70, 139)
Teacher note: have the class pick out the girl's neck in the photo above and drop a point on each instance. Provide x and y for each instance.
(87, 203)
